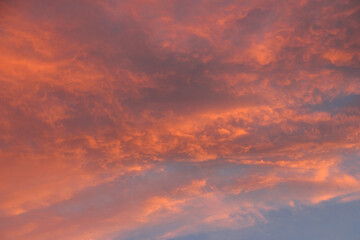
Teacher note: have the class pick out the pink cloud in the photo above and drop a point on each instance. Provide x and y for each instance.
(175, 116)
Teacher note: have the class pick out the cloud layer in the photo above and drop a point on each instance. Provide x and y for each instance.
(160, 119)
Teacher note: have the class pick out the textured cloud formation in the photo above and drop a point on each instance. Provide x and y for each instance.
(160, 119)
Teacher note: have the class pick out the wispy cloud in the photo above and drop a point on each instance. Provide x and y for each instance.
(160, 119)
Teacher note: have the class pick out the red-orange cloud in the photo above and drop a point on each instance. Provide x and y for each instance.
(177, 116)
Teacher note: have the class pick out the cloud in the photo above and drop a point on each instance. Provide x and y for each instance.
(157, 119)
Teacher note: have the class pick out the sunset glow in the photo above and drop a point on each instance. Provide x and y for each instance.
(179, 119)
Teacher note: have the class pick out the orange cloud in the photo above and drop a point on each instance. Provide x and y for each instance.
(176, 116)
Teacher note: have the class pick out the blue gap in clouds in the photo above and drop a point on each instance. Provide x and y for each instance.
(341, 102)
(326, 221)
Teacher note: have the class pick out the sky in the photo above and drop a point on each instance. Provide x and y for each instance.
(179, 120)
